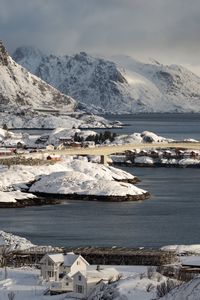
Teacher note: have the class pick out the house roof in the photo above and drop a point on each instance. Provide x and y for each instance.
(66, 259)
(102, 274)
(191, 261)
(70, 259)
(105, 274)
(56, 258)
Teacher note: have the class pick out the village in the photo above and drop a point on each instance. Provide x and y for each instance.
(14, 143)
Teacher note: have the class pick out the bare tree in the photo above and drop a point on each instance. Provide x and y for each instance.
(151, 271)
(5, 255)
(11, 295)
(165, 287)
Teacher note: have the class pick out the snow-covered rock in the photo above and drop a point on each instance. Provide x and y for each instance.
(189, 161)
(81, 184)
(144, 137)
(183, 249)
(128, 138)
(29, 118)
(67, 177)
(15, 242)
(118, 85)
(150, 137)
(12, 197)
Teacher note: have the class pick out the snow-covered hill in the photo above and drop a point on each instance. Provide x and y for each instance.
(20, 88)
(119, 85)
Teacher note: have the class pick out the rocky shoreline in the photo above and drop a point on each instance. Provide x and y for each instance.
(155, 165)
(31, 202)
(53, 199)
(94, 197)
(130, 180)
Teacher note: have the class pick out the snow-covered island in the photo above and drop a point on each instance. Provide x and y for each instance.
(69, 179)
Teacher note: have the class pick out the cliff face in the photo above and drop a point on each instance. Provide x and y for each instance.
(19, 88)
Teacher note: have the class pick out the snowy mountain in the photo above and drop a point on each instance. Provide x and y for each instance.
(119, 85)
(19, 88)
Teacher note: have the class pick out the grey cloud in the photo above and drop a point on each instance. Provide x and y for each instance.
(165, 29)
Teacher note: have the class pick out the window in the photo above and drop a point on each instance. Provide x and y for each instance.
(79, 289)
(79, 277)
(67, 283)
(50, 274)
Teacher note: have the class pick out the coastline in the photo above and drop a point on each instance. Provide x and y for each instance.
(108, 198)
(155, 165)
(55, 199)
(30, 202)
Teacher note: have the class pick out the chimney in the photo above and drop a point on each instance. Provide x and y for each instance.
(98, 268)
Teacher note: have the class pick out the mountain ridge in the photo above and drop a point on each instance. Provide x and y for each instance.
(116, 85)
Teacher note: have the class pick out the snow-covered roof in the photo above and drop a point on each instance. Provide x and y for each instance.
(56, 258)
(102, 273)
(70, 259)
(191, 261)
(181, 249)
(66, 259)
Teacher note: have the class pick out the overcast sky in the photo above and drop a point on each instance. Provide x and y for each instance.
(166, 30)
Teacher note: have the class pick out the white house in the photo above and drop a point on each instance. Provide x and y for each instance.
(84, 283)
(71, 273)
(55, 266)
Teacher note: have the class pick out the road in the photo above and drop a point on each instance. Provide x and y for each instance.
(107, 150)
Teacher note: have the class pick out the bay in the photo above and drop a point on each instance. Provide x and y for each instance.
(170, 216)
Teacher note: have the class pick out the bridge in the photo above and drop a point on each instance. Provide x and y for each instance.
(104, 151)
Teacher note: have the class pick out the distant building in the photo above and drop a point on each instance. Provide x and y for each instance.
(5, 151)
(54, 157)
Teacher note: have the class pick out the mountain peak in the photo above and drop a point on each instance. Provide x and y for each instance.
(26, 51)
(3, 55)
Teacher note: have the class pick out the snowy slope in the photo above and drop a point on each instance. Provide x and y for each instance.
(20, 88)
(187, 291)
(29, 118)
(119, 85)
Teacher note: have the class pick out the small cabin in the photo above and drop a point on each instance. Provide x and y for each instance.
(167, 154)
(143, 153)
(54, 157)
(179, 153)
(190, 267)
(194, 154)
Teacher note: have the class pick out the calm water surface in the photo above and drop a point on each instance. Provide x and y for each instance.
(171, 216)
(177, 126)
